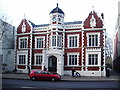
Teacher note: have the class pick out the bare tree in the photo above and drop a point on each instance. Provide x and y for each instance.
(6, 33)
(109, 46)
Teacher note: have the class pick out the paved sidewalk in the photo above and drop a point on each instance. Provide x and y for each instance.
(114, 77)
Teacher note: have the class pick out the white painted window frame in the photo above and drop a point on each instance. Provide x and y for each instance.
(26, 57)
(96, 33)
(68, 38)
(36, 41)
(93, 52)
(76, 53)
(36, 58)
(20, 42)
(56, 43)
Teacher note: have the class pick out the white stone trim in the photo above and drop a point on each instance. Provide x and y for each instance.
(68, 36)
(82, 52)
(73, 26)
(93, 33)
(93, 51)
(23, 38)
(22, 53)
(23, 27)
(84, 73)
(73, 53)
(37, 54)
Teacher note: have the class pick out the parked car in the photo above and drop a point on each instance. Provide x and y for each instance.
(43, 75)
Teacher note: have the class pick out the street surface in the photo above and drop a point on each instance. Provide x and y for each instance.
(28, 84)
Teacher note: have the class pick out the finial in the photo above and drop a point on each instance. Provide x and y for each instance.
(24, 16)
(92, 9)
(57, 4)
(102, 15)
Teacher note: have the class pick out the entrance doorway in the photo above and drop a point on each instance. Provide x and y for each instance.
(52, 64)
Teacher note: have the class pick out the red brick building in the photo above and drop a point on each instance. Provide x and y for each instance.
(60, 46)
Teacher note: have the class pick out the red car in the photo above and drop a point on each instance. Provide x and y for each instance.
(43, 75)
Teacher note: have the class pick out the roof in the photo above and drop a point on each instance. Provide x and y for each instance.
(66, 23)
(42, 25)
(75, 22)
(57, 10)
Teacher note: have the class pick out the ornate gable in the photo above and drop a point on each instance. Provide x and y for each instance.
(24, 27)
(93, 21)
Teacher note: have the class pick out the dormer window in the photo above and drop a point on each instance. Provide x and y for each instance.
(23, 27)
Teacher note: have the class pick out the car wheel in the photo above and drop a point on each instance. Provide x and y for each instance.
(33, 78)
(53, 79)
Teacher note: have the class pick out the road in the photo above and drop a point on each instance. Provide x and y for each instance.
(28, 84)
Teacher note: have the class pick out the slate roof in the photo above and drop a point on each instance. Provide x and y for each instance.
(75, 22)
(66, 23)
(57, 10)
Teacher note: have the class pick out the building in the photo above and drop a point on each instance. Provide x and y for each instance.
(60, 46)
(116, 46)
(7, 33)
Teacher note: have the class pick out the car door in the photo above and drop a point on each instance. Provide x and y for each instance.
(46, 75)
(37, 74)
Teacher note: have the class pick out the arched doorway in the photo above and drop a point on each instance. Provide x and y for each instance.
(52, 64)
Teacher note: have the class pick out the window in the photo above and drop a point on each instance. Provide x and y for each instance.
(73, 41)
(53, 40)
(23, 43)
(93, 40)
(56, 41)
(39, 43)
(22, 59)
(59, 42)
(93, 59)
(72, 59)
(38, 59)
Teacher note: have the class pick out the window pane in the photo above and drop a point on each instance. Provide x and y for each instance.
(96, 40)
(93, 59)
(53, 40)
(96, 59)
(69, 59)
(72, 59)
(89, 58)
(73, 41)
(38, 59)
(75, 59)
(39, 42)
(22, 59)
(23, 43)
(93, 40)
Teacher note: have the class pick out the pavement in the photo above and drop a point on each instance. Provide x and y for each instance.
(113, 77)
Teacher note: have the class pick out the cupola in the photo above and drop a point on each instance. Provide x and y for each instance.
(57, 10)
(57, 16)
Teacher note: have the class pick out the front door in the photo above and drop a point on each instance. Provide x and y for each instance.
(52, 64)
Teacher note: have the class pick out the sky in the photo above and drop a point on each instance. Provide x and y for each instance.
(38, 11)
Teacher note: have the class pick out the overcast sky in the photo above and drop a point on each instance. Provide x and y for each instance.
(38, 11)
